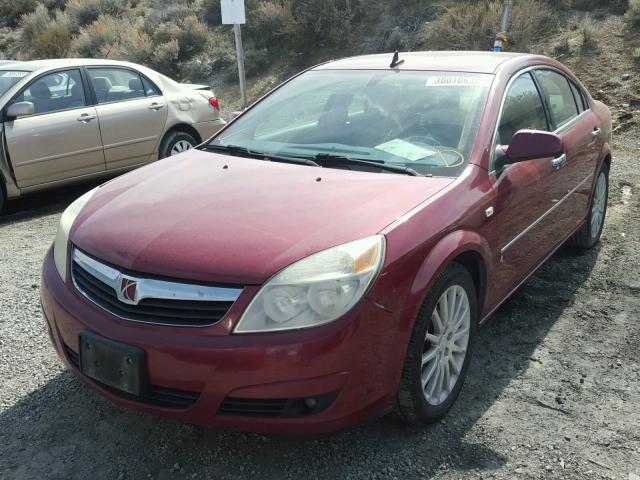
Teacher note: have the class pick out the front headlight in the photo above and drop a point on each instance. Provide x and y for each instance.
(315, 290)
(60, 247)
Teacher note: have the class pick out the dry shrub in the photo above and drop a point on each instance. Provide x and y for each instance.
(472, 26)
(587, 31)
(85, 12)
(613, 6)
(632, 17)
(12, 10)
(271, 25)
(117, 38)
(45, 35)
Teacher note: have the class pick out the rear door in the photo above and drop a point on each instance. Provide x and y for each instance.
(579, 129)
(61, 139)
(132, 113)
(526, 193)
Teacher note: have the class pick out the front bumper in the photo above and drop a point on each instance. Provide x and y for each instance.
(357, 358)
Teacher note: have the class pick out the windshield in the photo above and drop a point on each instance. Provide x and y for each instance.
(8, 78)
(426, 121)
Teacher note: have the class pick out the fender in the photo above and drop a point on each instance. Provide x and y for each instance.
(442, 254)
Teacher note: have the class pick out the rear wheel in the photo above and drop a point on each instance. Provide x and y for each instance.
(589, 234)
(175, 143)
(440, 348)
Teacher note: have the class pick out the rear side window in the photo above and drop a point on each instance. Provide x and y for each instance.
(116, 84)
(559, 97)
(149, 88)
(56, 91)
(523, 109)
(579, 96)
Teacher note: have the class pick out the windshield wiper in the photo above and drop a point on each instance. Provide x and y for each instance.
(245, 152)
(327, 158)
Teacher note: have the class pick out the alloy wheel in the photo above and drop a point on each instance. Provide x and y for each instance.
(599, 204)
(445, 346)
(181, 146)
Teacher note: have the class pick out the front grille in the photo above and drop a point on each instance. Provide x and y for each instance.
(276, 407)
(164, 311)
(156, 396)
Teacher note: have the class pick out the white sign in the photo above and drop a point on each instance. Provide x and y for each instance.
(232, 12)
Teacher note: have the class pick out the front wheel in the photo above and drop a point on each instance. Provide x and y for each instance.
(589, 234)
(175, 143)
(439, 350)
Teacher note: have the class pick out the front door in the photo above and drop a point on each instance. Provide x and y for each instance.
(132, 115)
(61, 140)
(527, 194)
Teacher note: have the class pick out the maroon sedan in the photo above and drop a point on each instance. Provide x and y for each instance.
(330, 254)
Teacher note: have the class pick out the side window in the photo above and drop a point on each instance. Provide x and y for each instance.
(522, 109)
(557, 92)
(579, 96)
(150, 89)
(116, 84)
(56, 91)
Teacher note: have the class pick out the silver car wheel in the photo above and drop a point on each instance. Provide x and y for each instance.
(446, 345)
(180, 146)
(599, 204)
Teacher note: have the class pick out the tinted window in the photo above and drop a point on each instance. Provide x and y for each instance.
(424, 120)
(116, 84)
(8, 78)
(557, 92)
(579, 96)
(522, 109)
(56, 91)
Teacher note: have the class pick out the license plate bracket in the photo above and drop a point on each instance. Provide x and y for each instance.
(114, 364)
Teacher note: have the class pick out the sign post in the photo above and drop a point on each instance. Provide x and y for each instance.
(233, 13)
(501, 36)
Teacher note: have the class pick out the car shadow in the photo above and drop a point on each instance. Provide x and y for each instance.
(44, 203)
(63, 430)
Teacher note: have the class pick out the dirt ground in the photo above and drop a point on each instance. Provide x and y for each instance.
(553, 390)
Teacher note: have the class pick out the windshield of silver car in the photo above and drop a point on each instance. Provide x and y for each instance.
(8, 78)
(426, 122)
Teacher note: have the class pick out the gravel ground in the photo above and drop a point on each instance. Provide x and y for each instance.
(552, 392)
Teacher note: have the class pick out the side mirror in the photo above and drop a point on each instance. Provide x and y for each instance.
(20, 109)
(529, 145)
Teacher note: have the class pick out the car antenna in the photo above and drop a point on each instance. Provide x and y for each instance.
(396, 60)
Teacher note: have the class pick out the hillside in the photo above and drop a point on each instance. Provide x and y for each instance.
(184, 38)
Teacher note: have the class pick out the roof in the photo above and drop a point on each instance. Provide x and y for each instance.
(33, 65)
(457, 61)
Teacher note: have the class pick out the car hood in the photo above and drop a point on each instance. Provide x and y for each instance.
(214, 218)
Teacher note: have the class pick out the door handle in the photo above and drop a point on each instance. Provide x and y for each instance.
(85, 117)
(558, 163)
(156, 106)
(596, 133)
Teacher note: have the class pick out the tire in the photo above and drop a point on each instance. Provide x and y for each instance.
(414, 404)
(589, 234)
(175, 143)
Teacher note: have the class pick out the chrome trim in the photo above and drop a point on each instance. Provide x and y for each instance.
(543, 216)
(514, 77)
(149, 287)
(558, 163)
